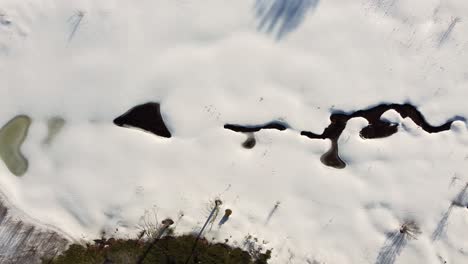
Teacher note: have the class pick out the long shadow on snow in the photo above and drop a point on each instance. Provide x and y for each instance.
(460, 201)
(282, 16)
(392, 248)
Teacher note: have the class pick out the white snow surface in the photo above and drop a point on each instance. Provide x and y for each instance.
(207, 63)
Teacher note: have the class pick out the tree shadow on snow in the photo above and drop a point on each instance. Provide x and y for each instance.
(461, 201)
(282, 16)
(441, 228)
(391, 249)
(396, 242)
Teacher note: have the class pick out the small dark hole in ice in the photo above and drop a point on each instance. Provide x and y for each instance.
(250, 142)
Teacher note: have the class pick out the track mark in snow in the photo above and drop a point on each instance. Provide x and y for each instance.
(12, 136)
(147, 117)
(443, 38)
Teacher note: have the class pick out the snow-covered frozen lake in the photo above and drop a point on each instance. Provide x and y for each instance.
(72, 67)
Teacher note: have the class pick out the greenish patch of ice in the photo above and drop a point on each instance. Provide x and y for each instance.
(12, 136)
(54, 125)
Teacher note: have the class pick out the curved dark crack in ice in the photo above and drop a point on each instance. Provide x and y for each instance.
(250, 142)
(255, 128)
(377, 128)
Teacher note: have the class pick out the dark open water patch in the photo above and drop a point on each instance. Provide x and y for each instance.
(250, 142)
(147, 117)
(255, 128)
(377, 128)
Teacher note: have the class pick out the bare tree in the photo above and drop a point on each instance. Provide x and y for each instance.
(149, 223)
(214, 211)
(165, 224)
